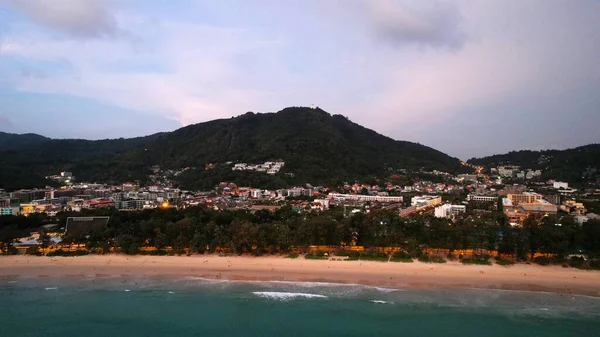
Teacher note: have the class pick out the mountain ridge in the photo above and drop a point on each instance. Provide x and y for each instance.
(317, 147)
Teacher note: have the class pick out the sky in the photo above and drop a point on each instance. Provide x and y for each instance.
(469, 78)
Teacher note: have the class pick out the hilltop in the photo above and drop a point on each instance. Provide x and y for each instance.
(13, 141)
(316, 146)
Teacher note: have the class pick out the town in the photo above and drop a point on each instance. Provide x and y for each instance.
(518, 195)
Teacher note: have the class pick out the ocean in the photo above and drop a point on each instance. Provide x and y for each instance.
(199, 307)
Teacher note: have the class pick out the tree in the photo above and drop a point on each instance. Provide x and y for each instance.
(44, 239)
(591, 238)
(244, 236)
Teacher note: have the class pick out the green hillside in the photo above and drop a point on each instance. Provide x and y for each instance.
(317, 147)
(573, 165)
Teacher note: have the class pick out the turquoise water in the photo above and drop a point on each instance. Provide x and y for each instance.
(198, 307)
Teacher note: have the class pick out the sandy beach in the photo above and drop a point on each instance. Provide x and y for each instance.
(395, 275)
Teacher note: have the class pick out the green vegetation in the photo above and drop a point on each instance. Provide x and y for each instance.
(567, 165)
(10, 141)
(60, 252)
(33, 250)
(401, 257)
(503, 262)
(431, 259)
(542, 260)
(204, 230)
(317, 147)
(292, 256)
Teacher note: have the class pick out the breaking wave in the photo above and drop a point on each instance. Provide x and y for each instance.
(284, 296)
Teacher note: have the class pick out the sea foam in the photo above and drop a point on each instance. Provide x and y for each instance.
(284, 296)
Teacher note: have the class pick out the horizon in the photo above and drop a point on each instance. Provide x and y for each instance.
(468, 79)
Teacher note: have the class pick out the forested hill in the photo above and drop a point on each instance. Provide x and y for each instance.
(571, 164)
(316, 146)
(12, 141)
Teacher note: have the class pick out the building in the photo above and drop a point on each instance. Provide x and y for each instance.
(322, 204)
(507, 171)
(482, 198)
(404, 212)
(553, 198)
(364, 198)
(6, 211)
(134, 204)
(573, 207)
(79, 227)
(540, 206)
(448, 210)
(524, 198)
(560, 185)
(128, 187)
(25, 196)
(26, 209)
(101, 203)
(256, 194)
(426, 201)
(294, 192)
(512, 189)
(516, 213)
(4, 203)
(467, 177)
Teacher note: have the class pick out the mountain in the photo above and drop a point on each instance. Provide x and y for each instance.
(317, 147)
(573, 165)
(12, 141)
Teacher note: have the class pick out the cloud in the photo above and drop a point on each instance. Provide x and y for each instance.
(204, 74)
(412, 70)
(432, 24)
(33, 73)
(76, 18)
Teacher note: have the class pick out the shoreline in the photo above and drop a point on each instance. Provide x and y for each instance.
(397, 275)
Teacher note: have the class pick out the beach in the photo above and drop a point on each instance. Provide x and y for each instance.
(523, 277)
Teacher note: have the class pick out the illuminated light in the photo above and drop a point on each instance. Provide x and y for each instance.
(164, 205)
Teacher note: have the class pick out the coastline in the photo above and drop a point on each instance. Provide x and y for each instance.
(520, 277)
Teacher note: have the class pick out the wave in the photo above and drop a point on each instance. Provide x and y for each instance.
(381, 302)
(283, 296)
(303, 284)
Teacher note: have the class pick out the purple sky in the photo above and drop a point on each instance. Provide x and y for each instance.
(469, 78)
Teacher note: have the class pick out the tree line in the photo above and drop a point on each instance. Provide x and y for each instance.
(204, 230)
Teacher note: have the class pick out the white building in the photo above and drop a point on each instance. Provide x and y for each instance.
(322, 204)
(447, 210)
(426, 201)
(560, 185)
(472, 197)
(442, 211)
(294, 192)
(506, 171)
(256, 194)
(359, 197)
